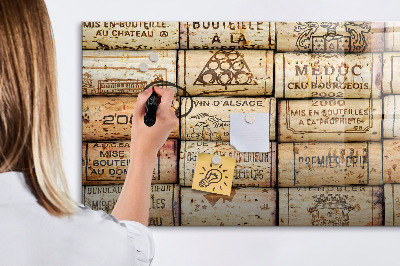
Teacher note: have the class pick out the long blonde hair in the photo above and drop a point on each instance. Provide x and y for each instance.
(29, 126)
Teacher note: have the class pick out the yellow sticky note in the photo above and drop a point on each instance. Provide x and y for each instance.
(215, 178)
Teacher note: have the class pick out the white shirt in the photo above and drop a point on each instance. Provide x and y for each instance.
(29, 235)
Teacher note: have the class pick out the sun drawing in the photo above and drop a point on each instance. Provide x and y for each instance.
(213, 176)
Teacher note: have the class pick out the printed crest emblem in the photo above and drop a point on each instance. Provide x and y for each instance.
(330, 210)
(331, 41)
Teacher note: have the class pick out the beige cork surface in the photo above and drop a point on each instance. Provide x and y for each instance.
(117, 72)
(110, 118)
(227, 35)
(340, 120)
(210, 119)
(108, 162)
(328, 75)
(226, 72)
(320, 164)
(245, 206)
(252, 169)
(331, 206)
(164, 201)
(130, 35)
(326, 37)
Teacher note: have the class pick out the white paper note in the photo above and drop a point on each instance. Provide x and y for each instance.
(249, 137)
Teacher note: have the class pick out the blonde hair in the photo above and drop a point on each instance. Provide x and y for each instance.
(29, 126)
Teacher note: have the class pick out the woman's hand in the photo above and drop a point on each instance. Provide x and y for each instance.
(148, 140)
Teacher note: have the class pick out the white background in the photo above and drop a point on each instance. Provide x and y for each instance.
(215, 245)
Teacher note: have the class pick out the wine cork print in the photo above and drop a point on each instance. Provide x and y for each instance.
(331, 206)
(391, 123)
(223, 35)
(84, 155)
(330, 37)
(392, 204)
(328, 75)
(391, 72)
(209, 119)
(391, 161)
(226, 72)
(341, 120)
(110, 118)
(118, 72)
(164, 201)
(108, 162)
(244, 206)
(140, 35)
(326, 164)
(392, 36)
(252, 169)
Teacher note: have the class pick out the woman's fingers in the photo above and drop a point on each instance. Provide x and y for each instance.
(167, 96)
(141, 102)
(159, 91)
(164, 107)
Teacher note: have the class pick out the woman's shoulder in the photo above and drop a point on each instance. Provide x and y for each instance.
(135, 234)
(88, 236)
(87, 215)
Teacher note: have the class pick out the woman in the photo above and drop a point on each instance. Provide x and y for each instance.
(39, 222)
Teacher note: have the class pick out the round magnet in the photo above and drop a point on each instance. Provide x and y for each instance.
(250, 118)
(143, 67)
(216, 159)
(153, 57)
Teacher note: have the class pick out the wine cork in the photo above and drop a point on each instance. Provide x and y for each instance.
(119, 73)
(391, 161)
(340, 120)
(325, 37)
(110, 118)
(391, 123)
(252, 169)
(226, 72)
(392, 36)
(331, 206)
(391, 72)
(325, 164)
(164, 201)
(84, 154)
(210, 116)
(130, 35)
(108, 162)
(329, 75)
(222, 35)
(244, 206)
(392, 204)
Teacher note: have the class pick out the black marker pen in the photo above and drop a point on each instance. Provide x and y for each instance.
(151, 109)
